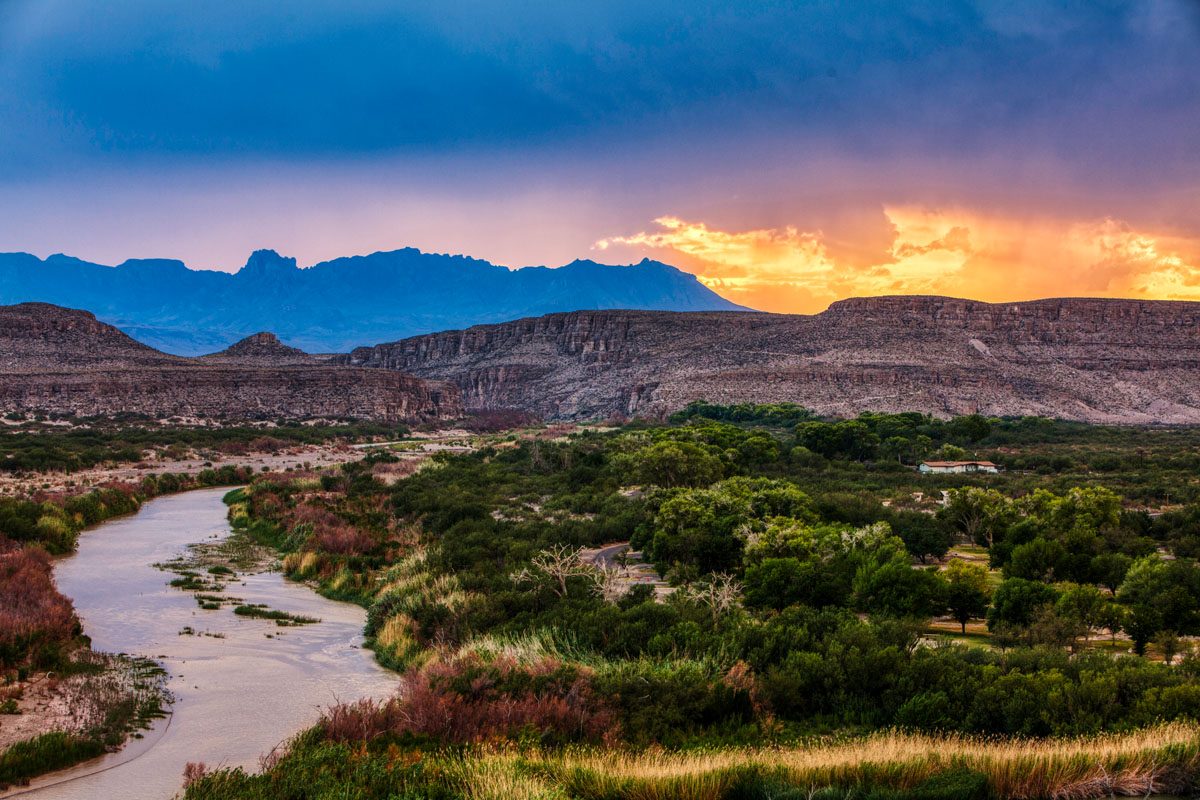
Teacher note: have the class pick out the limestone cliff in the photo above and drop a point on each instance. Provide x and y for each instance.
(1096, 360)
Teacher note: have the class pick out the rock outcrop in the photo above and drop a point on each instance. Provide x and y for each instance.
(54, 359)
(1119, 361)
(262, 349)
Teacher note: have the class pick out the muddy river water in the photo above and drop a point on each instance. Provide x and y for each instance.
(236, 697)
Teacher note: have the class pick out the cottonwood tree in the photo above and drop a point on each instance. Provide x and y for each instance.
(967, 592)
(1085, 605)
(1017, 602)
(1141, 623)
(1167, 643)
(1111, 617)
(1039, 560)
(675, 464)
(1110, 569)
(982, 514)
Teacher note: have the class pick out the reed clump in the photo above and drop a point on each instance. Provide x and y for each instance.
(408, 590)
(281, 618)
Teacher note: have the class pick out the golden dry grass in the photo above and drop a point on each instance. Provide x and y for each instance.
(1156, 760)
(303, 565)
(493, 779)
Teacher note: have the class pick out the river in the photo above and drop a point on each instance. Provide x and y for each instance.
(236, 697)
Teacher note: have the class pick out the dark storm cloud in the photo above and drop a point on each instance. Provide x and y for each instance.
(1092, 81)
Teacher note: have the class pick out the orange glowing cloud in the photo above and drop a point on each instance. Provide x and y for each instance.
(934, 251)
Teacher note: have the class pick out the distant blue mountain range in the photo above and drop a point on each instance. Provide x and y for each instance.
(340, 304)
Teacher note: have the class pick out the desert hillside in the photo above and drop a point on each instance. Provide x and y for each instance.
(62, 360)
(1129, 361)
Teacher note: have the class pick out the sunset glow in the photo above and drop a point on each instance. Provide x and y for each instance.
(945, 252)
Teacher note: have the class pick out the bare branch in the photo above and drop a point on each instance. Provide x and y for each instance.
(557, 563)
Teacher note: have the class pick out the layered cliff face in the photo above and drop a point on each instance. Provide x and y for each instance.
(61, 360)
(1095, 360)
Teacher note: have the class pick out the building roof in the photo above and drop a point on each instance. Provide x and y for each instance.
(957, 463)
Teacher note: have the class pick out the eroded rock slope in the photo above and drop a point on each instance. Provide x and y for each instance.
(55, 359)
(1096, 360)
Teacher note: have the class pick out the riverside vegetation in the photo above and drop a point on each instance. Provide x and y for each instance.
(90, 702)
(835, 625)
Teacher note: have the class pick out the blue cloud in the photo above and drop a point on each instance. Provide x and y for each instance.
(82, 80)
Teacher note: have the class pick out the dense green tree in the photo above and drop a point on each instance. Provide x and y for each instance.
(952, 452)
(1109, 569)
(1167, 642)
(758, 448)
(1142, 622)
(923, 535)
(775, 583)
(1082, 604)
(848, 438)
(1112, 618)
(1171, 588)
(1039, 560)
(705, 530)
(895, 447)
(971, 428)
(1017, 601)
(885, 583)
(675, 464)
(982, 515)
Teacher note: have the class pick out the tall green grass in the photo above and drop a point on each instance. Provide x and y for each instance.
(45, 753)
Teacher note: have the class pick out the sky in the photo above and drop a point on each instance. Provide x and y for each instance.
(788, 154)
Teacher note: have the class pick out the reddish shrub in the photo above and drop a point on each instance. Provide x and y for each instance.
(496, 420)
(302, 474)
(329, 532)
(267, 444)
(193, 771)
(266, 504)
(555, 431)
(307, 513)
(130, 490)
(473, 701)
(343, 540)
(32, 612)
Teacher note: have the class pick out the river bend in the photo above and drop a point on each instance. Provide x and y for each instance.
(238, 694)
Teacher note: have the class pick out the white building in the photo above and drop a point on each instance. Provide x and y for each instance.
(941, 467)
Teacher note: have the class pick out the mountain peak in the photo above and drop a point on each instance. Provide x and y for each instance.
(260, 339)
(267, 262)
